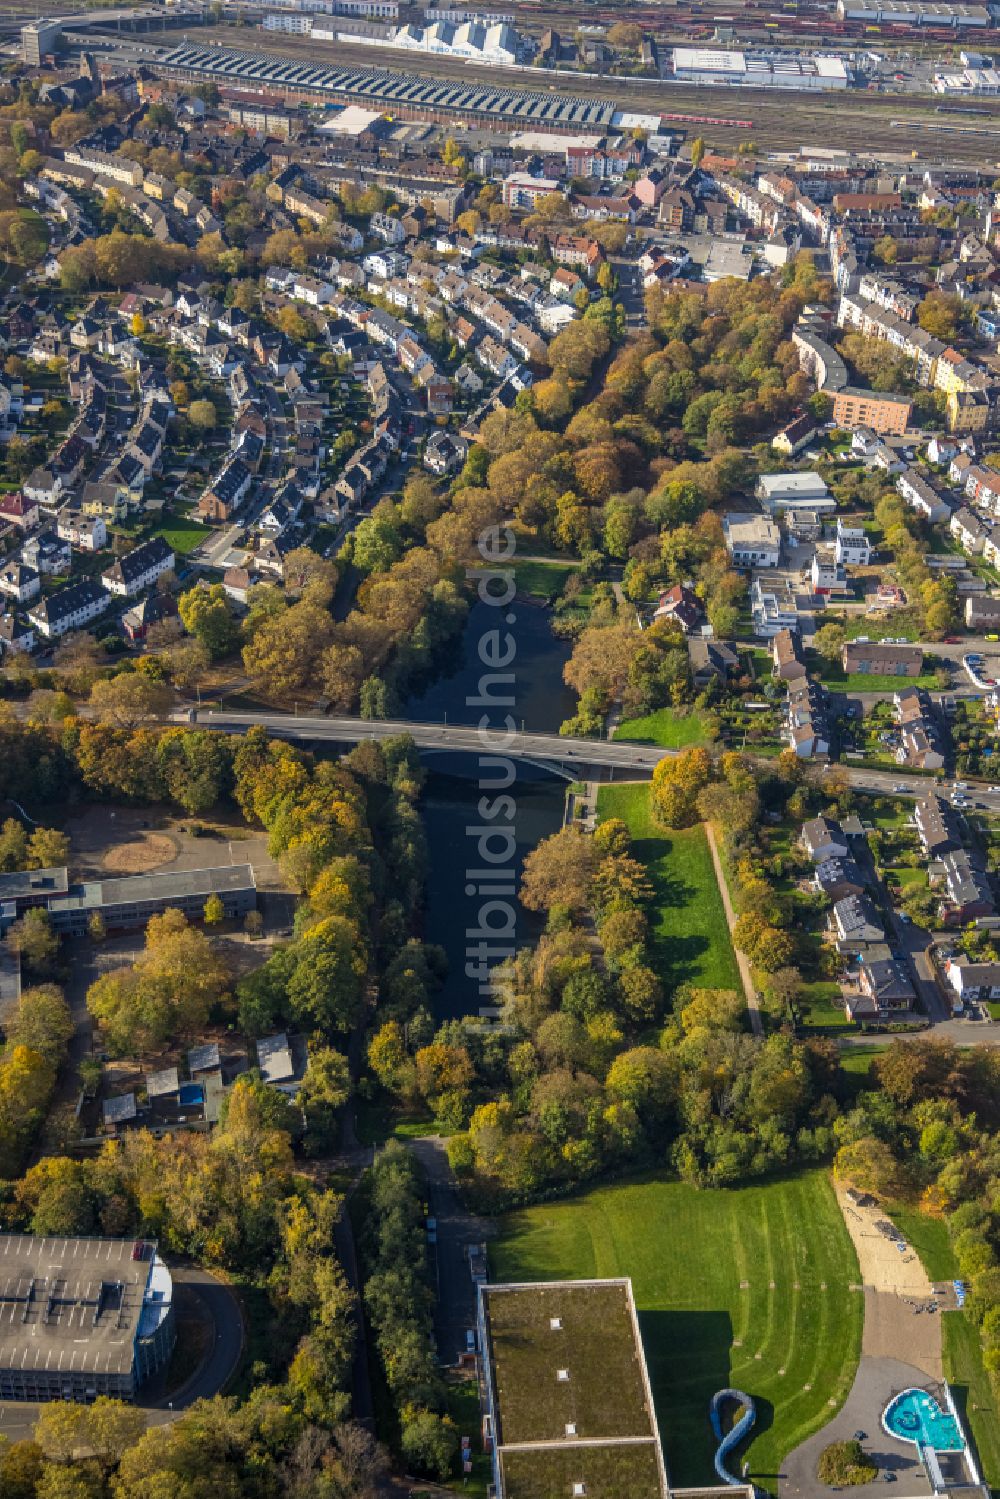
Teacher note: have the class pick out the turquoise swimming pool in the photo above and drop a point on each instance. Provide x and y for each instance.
(915, 1416)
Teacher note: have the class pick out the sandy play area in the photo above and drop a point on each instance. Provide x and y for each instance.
(146, 851)
(883, 1266)
(902, 1311)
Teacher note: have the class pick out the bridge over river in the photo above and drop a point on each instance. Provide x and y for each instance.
(574, 759)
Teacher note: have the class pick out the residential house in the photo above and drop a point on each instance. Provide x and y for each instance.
(227, 491)
(69, 608)
(19, 582)
(968, 530)
(146, 612)
(972, 982)
(753, 541)
(824, 839)
(87, 533)
(922, 497)
(937, 826)
(139, 569)
(856, 920)
(795, 435)
(853, 548)
(921, 746)
(867, 658)
(682, 604)
(18, 509)
(47, 553)
(884, 982)
(967, 894)
(839, 878)
(16, 635)
(711, 661)
(445, 452)
(982, 612)
(786, 656)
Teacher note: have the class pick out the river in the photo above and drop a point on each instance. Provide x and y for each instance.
(542, 701)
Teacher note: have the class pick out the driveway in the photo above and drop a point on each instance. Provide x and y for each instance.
(455, 1312)
(876, 1381)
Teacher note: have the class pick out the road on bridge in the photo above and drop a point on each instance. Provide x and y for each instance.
(541, 748)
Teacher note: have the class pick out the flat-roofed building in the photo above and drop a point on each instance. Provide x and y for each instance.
(128, 902)
(885, 414)
(569, 1409)
(752, 540)
(81, 1317)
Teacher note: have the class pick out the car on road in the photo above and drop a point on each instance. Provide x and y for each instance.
(900, 787)
(960, 801)
(992, 637)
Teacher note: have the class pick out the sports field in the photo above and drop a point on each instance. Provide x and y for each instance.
(750, 1288)
(689, 936)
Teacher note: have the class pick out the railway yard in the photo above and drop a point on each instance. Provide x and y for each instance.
(851, 120)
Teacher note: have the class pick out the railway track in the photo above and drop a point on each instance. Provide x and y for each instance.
(849, 120)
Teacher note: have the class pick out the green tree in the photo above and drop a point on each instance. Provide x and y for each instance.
(215, 911)
(207, 614)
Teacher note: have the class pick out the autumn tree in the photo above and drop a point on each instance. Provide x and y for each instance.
(168, 993)
(558, 872)
(677, 782)
(130, 699)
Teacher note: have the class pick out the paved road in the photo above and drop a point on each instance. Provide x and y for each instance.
(518, 745)
(455, 1310)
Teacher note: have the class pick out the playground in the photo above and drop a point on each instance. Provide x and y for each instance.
(755, 1289)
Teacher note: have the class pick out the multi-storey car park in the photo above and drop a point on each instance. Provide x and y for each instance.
(401, 94)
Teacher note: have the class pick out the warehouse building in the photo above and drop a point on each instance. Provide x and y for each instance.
(938, 13)
(403, 95)
(788, 70)
(82, 1317)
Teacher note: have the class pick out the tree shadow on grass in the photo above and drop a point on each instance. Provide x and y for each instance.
(676, 955)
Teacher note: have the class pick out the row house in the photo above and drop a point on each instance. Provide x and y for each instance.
(762, 212)
(227, 492)
(921, 496)
(578, 252)
(966, 894)
(138, 569)
(70, 608)
(968, 530)
(921, 746)
(806, 731)
(105, 164)
(890, 294)
(495, 358)
(610, 164)
(875, 322)
(982, 485)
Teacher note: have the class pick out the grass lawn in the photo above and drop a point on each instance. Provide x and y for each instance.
(857, 1060)
(689, 936)
(819, 1012)
(781, 1337)
(665, 727)
(181, 534)
(832, 674)
(963, 1352)
(542, 579)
